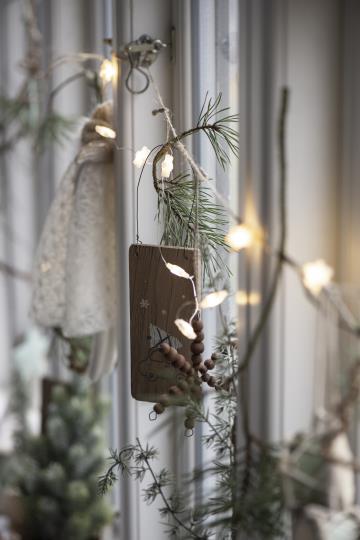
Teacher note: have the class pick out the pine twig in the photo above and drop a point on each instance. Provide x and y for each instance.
(164, 498)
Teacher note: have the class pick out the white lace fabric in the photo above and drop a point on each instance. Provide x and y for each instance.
(75, 266)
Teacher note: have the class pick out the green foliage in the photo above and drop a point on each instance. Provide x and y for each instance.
(18, 406)
(242, 488)
(20, 118)
(176, 204)
(179, 209)
(242, 485)
(77, 350)
(136, 461)
(219, 129)
(54, 128)
(13, 109)
(56, 473)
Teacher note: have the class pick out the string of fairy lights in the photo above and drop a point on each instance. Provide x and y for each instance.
(316, 276)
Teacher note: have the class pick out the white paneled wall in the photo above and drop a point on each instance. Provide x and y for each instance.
(136, 126)
(17, 205)
(308, 46)
(311, 69)
(24, 195)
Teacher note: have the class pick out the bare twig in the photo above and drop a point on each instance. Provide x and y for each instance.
(11, 271)
(266, 310)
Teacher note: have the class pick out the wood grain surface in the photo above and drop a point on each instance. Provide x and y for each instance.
(157, 298)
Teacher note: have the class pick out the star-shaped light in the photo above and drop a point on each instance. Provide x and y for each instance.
(141, 157)
(316, 275)
(239, 237)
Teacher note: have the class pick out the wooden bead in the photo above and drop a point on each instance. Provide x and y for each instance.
(196, 392)
(197, 348)
(164, 400)
(211, 382)
(179, 361)
(196, 359)
(200, 337)
(202, 368)
(172, 354)
(187, 368)
(197, 326)
(165, 347)
(189, 422)
(210, 364)
(159, 408)
(175, 391)
(206, 377)
(183, 385)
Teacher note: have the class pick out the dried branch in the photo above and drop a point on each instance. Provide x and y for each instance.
(266, 310)
(14, 272)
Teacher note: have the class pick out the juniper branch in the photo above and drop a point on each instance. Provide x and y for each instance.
(181, 524)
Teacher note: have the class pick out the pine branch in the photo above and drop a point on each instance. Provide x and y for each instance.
(121, 461)
(135, 461)
(53, 128)
(158, 490)
(176, 197)
(176, 209)
(218, 128)
(222, 136)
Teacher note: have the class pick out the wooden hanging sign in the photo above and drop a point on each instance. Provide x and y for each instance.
(157, 298)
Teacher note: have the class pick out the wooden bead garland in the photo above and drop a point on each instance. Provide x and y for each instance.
(210, 364)
(159, 408)
(194, 373)
(197, 348)
(199, 337)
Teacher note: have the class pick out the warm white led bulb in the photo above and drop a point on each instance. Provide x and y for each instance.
(107, 71)
(316, 275)
(213, 299)
(177, 270)
(105, 132)
(239, 237)
(141, 157)
(185, 328)
(243, 298)
(167, 166)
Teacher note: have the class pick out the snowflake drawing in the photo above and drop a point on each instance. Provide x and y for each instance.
(144, 304)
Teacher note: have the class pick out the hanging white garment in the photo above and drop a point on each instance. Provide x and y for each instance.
(75, 267)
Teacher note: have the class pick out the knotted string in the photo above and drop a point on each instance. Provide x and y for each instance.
(198, 174)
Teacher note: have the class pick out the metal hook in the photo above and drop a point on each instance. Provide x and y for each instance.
(127, 80)
(141, 53)
(152, 416)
